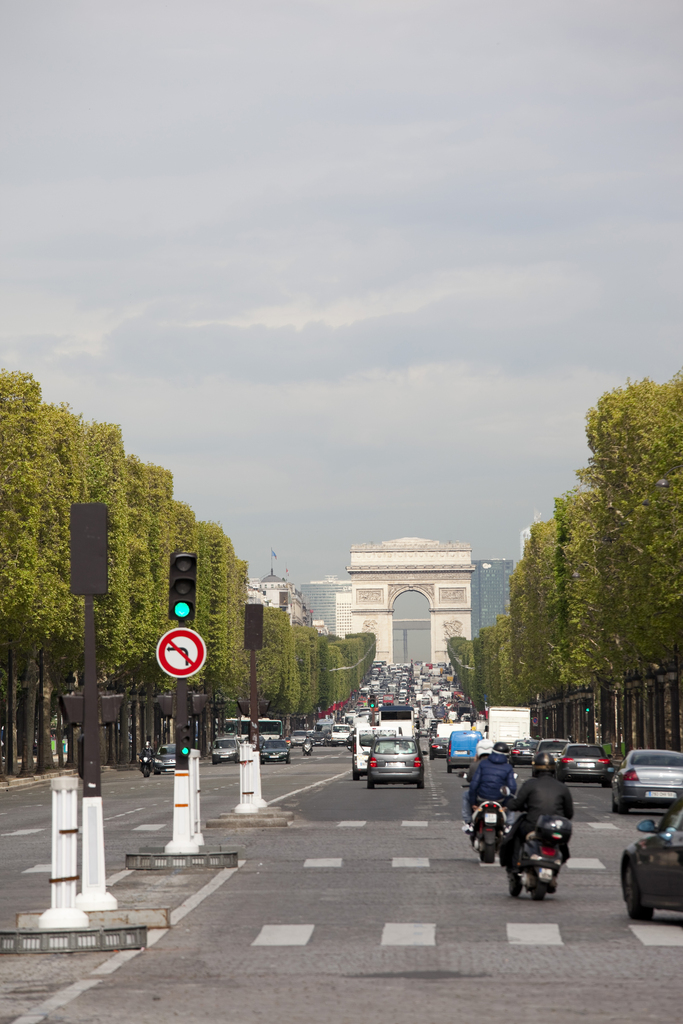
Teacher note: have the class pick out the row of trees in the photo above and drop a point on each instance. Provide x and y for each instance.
(598, 596)
(50, 458)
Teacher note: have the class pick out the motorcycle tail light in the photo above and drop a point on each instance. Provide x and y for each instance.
(373, 762)
(631, 776)
(548, 851)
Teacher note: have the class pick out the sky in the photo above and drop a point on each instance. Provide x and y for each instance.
(352, 269)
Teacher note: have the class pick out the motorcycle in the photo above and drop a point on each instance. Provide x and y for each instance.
(307, 747)
(541, 857)
(488, 827)
(146, 763)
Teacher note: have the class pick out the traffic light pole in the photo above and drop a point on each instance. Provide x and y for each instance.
(183, 840)
(253, 703)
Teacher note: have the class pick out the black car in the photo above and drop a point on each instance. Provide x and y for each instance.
(319, 738)
(438, 747)
(584, 762)
(652, 868)
(164, 759)
(225, 749)
(522, 751)
(553, 747)
(275, 751)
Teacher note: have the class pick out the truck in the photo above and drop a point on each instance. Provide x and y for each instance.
(509, 724)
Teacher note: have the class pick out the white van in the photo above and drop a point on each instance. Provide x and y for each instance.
(339, 736)
(363, 736)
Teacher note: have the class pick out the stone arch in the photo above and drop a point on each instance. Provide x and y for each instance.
(396, 589)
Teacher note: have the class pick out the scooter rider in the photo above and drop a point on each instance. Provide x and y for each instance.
(491, 776)
(147, 750)
(483, 751)
(541, 794)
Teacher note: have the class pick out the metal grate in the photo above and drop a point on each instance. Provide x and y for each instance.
(52, 940)
(159, 861)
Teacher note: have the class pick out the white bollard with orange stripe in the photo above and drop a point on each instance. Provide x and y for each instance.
(184, 840)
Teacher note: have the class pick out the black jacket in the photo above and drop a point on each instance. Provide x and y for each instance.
(543, 795)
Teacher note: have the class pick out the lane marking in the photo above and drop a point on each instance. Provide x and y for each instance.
(323, 862)
(409, 935)
(534, 935)
(415, 824)
(351, 824)
(148, 828)
(284, 935)
(113, 879)
(304, 788)
(24, 832)
(410, 862)
(134, 811)
(118, 960)
(586, 864)
(193, 901)
(61, 998)
(38, 868)
(658, 934)
(603, 824)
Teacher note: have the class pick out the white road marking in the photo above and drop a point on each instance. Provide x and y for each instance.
(284, 935)
(193, 901)
(304, 788)
(410, 862)
(586, 864)
(415, 824)
(534, 935)
(134, 811)
(118, 960)
(148, 828)
(24, 832)
(38, 869)
(323, 862)
(409, 935)
(61, 998)
(113, 879)
(603, 824)
(658, 934)
(351, 824)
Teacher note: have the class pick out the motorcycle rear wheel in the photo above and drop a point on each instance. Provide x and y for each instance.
(514, 884)
(539, 892)
(488, 854)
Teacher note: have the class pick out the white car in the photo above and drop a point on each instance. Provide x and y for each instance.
(339, 736)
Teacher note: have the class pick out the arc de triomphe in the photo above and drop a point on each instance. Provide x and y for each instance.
(442, 572)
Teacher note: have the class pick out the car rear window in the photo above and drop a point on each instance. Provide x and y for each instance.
(551, 745)
(578, 751)
(396, 746)
(657, 759)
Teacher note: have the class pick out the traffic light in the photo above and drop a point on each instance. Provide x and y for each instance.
(372, 703)
(183, 746)
(182, 586)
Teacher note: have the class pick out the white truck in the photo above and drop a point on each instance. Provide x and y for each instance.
(509, 724)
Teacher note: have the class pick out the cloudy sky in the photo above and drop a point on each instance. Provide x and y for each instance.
(352, 269)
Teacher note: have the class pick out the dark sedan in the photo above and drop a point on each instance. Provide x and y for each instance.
(164, 759)
(652, 868)
(522, 751)
(395, 760)
(554, 747)
(647, 778)
(275, 751)
(438, 747)
(584, 762)
(225, 749)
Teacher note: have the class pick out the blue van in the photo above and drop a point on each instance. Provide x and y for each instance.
(462, 748)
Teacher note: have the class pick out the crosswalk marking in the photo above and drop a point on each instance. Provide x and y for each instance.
(603, 825)
(148, 828)
(409, 935)
(284, 935)
(410, 862)
(534, 935)
(658, 934)
(586, 864)
(415, 824)
(351, 824)
(38, 868)
(323, 862)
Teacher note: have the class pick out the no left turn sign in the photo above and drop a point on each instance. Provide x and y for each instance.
(181, 652)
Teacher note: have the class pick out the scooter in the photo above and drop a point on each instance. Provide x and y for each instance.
(488, 827)
(307, 747)
(146, 764)
(541, 857)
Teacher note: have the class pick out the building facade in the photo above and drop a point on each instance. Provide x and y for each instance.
(344, 621)
(278, 593)
(490, 590)
(321, 599)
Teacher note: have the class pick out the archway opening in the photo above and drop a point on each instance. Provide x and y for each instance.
(412, 627)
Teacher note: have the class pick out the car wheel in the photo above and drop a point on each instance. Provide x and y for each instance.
(431, 757)
(636, 910)
(289, 760)
(449, 768)
(371, 785)
(606, 784)
(356, 776)
(618, 805)
(157, 772)
(421, 784)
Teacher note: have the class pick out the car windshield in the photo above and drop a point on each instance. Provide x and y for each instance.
(657, 759)
(395, 747)
(168, 749)
(222, 744)
(578, 751)
(275, 745)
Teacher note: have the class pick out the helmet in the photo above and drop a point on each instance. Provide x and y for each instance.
(502, 748)
(484, 748)
(543, 762)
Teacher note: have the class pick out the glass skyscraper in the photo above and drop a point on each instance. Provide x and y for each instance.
(490, 591)
(321, 599)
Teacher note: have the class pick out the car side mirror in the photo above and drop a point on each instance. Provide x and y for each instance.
(646, 826)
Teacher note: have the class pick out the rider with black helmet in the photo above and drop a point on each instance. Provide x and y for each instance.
(541, 794)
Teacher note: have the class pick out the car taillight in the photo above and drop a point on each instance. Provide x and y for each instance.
(631, 776)
(603, 760)
(566, 760)
(435, 745)
(373, 762)
(515, 751)
(548, 851)
(417, 763)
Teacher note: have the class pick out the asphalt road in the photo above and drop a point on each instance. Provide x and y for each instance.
(371, 903)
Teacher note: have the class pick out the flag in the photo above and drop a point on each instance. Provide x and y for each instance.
(273, 553)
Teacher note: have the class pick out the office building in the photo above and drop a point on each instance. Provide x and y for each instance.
(490, 590)
(343, 600)
(321, 599)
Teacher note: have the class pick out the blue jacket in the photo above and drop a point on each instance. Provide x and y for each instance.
(492, 772)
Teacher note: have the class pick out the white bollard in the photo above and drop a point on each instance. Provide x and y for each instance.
(94, 895)
(258, 798)
(63, 912)
(183, 840)
(246, 804)
(195, 806)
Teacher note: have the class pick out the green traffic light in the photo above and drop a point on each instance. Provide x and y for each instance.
(181, 609)
(185, 751)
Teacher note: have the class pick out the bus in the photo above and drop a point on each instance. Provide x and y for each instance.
(269, 728)
(399, 718)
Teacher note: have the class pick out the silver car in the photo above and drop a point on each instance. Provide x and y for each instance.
(647, 778)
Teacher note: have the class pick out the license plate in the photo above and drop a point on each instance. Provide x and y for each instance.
(661, 794)
(585, 764)
(491, 818)
(462, 753)
(545, 874)
(394, 764)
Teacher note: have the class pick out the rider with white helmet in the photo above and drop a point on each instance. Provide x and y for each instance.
(484, 748)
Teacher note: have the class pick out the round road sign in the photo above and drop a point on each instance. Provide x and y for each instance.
(181, 652)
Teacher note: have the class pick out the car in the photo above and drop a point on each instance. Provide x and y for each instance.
(275, 751)
(438, 747)
(395, 760)
(319, 738)
(647, 778)
(297, 738)
(164, 759)
(652, 868)
(224, 749)
(554, 747)
(522, 751)
(584, 762)
(462, 748)
(339, 736)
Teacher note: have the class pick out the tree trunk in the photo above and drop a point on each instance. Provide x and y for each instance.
(29, 716)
